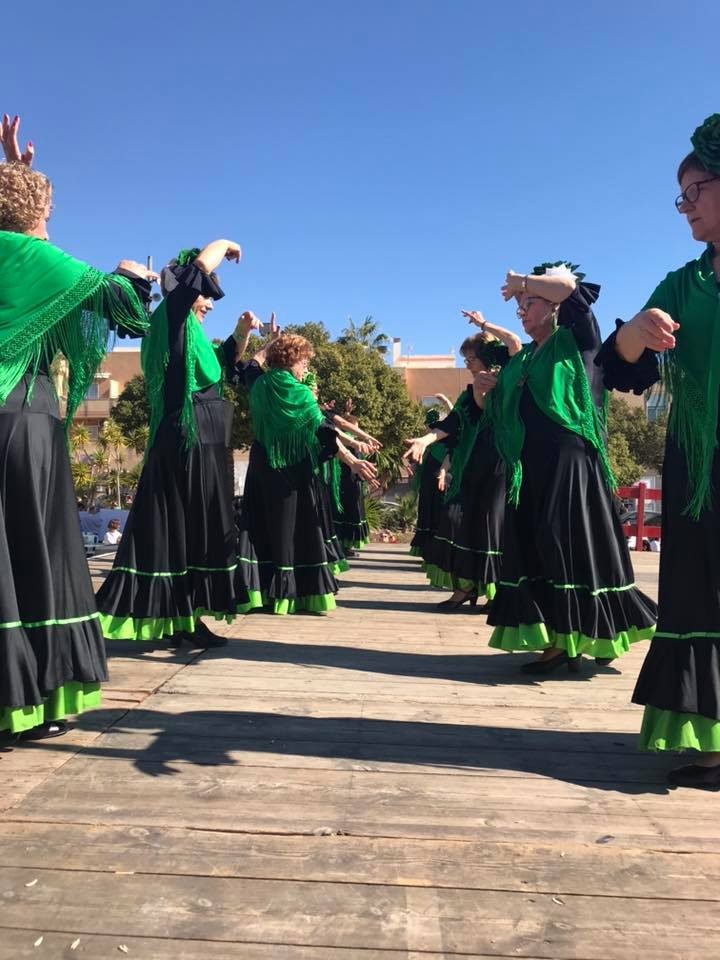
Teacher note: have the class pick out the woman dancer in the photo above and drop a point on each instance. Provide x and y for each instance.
(679, 683)
(566, 583)
(429, 481)
(464, 552)
(282, 545)
(52, 657)
(176, 561)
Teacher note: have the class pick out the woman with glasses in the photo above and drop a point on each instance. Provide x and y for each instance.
(463, 553)
(566, 582)
(676, 339)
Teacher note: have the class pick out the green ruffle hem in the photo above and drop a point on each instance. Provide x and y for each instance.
(71, 698)
(666, 730)
(155, 628)
(538, 637)
(448, 581)
(320, 603)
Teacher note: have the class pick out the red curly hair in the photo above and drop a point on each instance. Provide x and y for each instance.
(287, 350)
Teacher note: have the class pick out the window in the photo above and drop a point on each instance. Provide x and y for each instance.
(93, 392)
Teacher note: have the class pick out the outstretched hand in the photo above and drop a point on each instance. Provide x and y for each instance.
(247, 322)
(416, 450)
(366, 471)
(474, 317)
(10, 144)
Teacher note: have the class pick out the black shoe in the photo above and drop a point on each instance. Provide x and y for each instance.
(452, 606)
(45, 731)
(547, 666)
(697, 776)
(177, 639)
(205, 638)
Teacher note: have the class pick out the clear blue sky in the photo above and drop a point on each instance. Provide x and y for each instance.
(390, 157)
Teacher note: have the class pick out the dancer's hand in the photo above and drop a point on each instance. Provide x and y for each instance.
(366, 471)
(364, 448)
(416, 449)
(247, 322)
(650, 329)
(138, 270)
(484, 382)
(513, 286)
(474, 317)
(233, 251)
(443, 480)
(10, 144)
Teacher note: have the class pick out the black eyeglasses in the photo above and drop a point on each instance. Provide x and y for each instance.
(693, 192)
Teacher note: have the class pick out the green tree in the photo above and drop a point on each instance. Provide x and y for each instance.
(644, 442)
(132, 410)
(112, 440)
(627, 470)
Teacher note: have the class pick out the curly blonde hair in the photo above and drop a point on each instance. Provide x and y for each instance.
(288, 350)
(24, 196)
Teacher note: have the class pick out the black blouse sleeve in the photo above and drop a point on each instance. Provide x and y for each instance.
(451, 423)
(576, 314)
(626, 377)
(192, 283)
(249, 371)
(143, 289)
(327, 435)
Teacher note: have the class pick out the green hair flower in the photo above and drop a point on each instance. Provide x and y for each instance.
(548, 268)
(706, 143)
(187, 256)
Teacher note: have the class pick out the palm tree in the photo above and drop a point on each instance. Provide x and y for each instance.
(79, 440)
(367, 334)
(111, 439)
(138, 439)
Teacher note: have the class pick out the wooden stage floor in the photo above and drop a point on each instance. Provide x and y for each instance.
(373, 785)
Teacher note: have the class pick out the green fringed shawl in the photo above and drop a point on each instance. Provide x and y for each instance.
(332, 476)
(467, 435)
(285, 418)
(51, 303)
(202, 370)
(691, 370)
(556, 377)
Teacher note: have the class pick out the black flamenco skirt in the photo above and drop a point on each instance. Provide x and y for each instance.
(176, 561)
(283, 549)
(464, 553)
(679, 683)
(333, 546)
(52, 654)
(351, 525)
(566, 579)
(431, 504)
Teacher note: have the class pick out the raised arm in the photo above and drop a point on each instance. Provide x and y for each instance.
(10, 144)
(507, 337)
(211, 256)
(275, 332)
(554, 288)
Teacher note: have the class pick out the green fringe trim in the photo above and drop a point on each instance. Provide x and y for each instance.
(666, 730)
(448, 581)
(319, 603)
(155, 628)
(537, 636)
(71, 698)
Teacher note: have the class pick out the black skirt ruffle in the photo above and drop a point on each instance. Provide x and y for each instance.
(351, 527)
(431, 504)
(176, 560)
(466, 547)
(566, 565)
(283, 533)
(50, 630)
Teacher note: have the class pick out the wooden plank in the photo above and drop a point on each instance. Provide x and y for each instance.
(352, 916)
(19, 945)
(555, 869)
